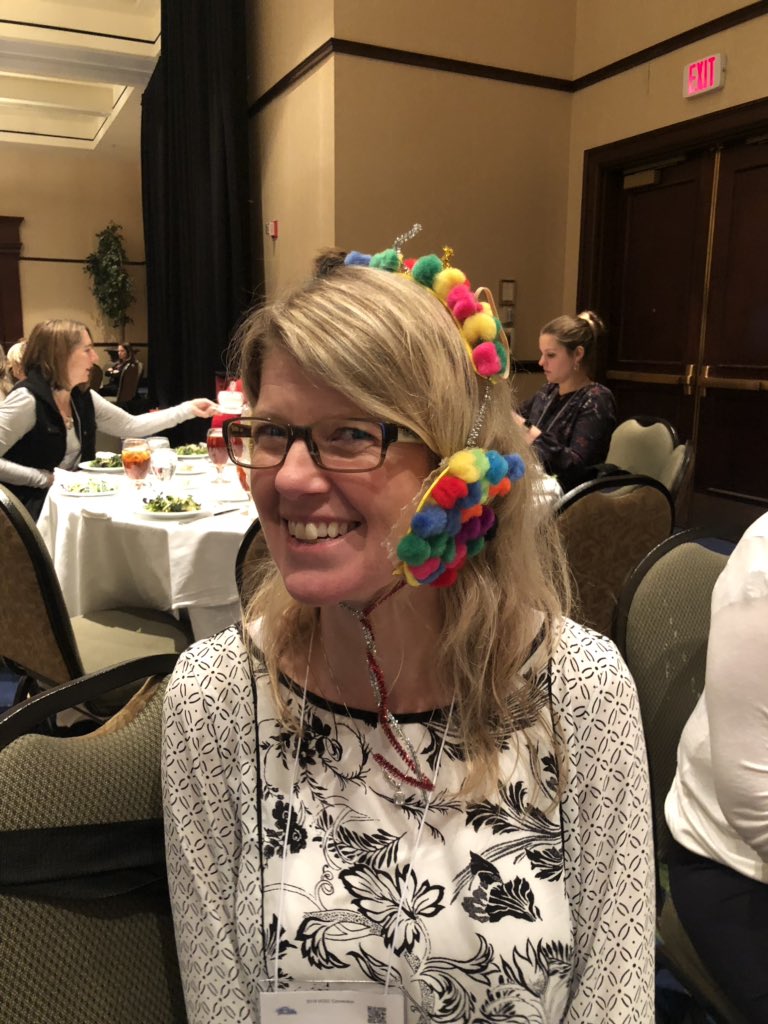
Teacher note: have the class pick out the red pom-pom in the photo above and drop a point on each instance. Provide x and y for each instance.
(461, 556)
(448, 491)
(445, 579)
(486, 359)
(408, 264)
(420, 572)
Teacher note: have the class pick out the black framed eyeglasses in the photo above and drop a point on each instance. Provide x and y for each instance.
(340, 444)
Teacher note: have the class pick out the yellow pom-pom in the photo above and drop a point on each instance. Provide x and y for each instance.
(486, 307)
(464, 465)
(479, 327)
(446, 280)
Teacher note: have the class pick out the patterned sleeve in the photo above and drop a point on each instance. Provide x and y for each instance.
(205, 727)
(581, 440)
(607, 833)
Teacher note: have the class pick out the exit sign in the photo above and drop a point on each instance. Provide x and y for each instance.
(703, 75)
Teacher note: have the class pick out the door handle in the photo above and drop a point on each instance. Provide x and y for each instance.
(689, 378)
(729, 383)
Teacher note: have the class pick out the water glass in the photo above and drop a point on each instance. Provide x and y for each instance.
(217, 451)
(163, 464)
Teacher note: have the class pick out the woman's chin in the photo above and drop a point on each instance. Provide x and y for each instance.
(321, 588)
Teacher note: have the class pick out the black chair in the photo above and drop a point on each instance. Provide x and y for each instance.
(608, 525)
(252, 556)
(662, 630)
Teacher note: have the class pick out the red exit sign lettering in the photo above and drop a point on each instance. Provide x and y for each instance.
(703, 75)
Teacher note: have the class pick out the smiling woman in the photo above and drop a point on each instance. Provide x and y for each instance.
(382, 774)
(50, 418)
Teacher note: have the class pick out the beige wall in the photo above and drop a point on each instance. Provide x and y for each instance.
(65, 196)
(295, 140)
(361, 149)
(475, 162)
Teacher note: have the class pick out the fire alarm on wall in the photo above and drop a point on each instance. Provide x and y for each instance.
(271, 228)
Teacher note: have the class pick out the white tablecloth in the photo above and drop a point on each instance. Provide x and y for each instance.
(107, 556)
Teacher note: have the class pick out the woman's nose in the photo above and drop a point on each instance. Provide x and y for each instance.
(300, 474)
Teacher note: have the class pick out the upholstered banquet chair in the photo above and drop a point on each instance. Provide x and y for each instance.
(38, 638)
(608, 526)
(662, 629)
(650, 446)
(84, 910)
(127, 386)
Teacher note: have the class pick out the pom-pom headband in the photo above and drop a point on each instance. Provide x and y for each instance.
(480, 328)
(454, 519)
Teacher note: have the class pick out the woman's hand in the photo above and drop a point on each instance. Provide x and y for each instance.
(204, 408)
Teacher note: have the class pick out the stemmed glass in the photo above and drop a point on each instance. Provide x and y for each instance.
(136, 457)
(217, 451)
(163, 463)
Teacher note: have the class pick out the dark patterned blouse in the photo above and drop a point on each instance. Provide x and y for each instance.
(575, 429)
(299, 864)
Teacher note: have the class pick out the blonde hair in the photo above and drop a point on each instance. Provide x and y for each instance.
(389, 345)
(6, 379)
(48, 349)
(15, 357)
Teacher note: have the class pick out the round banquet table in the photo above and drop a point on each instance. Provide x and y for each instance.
(107, 555)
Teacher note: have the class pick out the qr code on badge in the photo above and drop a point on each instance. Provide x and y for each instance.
(377, 1015)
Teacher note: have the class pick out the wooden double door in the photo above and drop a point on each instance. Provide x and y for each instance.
(684, 287)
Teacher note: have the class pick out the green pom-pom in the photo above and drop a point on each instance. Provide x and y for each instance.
(389, 259)
(413, 550)
(474, 547)
(425, 268)
(502, 354)
(450, 550)
(438, 544)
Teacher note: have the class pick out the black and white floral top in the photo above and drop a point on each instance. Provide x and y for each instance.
(516, 909)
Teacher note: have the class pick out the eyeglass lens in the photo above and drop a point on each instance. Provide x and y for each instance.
(342, 444)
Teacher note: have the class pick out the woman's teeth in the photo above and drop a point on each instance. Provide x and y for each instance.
(312, 532)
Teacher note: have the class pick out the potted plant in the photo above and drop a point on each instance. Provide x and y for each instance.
(110, 282)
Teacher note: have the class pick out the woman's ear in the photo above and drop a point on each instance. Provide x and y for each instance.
(578, 354)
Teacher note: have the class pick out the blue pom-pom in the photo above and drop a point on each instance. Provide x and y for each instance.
(474, 494)
(430, 521)
(453, 521)
(497, 467)
(516, 466)
(356, 259)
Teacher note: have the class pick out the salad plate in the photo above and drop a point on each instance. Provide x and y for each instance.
(192, 451)
(88, 489)
(145, 514)
(91, 468)
(168, 506)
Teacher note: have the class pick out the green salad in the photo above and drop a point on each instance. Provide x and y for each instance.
(192, 449)
(167, 503)
(89, 487)
(106, 462)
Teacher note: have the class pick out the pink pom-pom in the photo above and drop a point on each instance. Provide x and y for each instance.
(459, 293)
(445, 579)
(486, 359)
(420, 572)
(465, 307)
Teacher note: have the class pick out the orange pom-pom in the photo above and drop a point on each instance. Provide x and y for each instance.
(471, 513)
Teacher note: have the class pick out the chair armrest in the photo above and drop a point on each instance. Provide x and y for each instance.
(18, 720)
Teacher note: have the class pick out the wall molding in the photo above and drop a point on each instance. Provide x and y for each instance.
(60, 259)
(367, 51)
(80, 31)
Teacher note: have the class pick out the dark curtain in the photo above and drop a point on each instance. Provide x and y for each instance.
(194, 152)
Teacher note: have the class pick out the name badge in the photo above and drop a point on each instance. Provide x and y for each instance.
(358, 1004)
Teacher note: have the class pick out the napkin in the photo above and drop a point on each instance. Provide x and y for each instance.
(92, 513)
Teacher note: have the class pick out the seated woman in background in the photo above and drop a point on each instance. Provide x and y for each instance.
(717, 808)
(15, 358)
(407, 767)
(570, 420)
(51, 418)
(6, 380)
(125, 357)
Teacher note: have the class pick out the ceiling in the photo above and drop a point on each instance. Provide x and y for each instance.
(72, 73)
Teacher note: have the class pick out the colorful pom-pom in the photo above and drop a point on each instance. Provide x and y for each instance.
(464, 465)
(357, 259)
(471, 513)
(474, 547)
(447, 279)
(425, 269)
(465, 307)
(438, 544)
(449, 489)
(486, 359)
(389, 259)
(479, 327)
(426, 569)
(431, 520)
(516, 466)
(413, 549)
(446, 578)
(497, 467)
